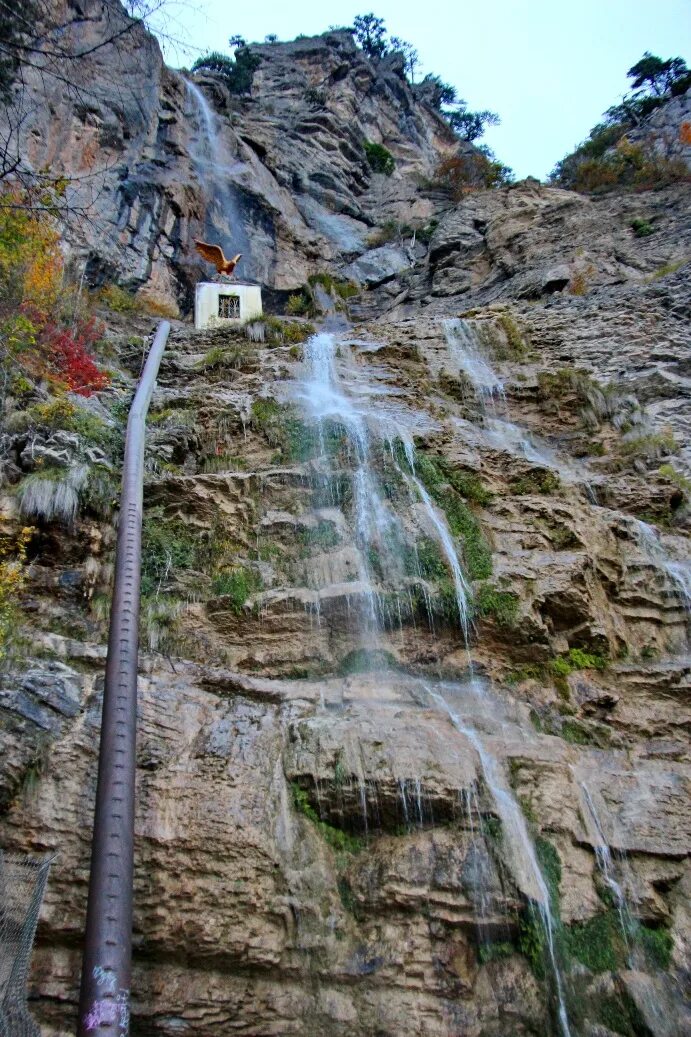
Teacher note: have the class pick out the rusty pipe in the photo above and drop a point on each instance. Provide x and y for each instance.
(104, 999)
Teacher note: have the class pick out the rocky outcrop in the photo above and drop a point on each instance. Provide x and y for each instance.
(297, 188)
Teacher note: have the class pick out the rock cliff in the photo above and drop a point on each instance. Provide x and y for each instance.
(413, 752)
(290, 180)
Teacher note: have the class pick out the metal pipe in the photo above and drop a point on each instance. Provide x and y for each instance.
(104, 1000)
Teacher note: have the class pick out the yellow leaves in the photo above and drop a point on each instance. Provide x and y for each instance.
(30, 256)
(13, 550)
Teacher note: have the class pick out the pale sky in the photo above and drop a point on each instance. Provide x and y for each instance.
(548, 67)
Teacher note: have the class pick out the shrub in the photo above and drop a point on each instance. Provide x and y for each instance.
(641, 228)
(301, 304)
(70, 352)
(237, 74)
(516, 346)
(115, 298)
(628, 165)
(379, 158)
(578, 285)
(42, 329)
(237, 585)
(668, 471)
(462, 173)
(222, 358)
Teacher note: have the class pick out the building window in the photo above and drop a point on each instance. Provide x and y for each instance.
(229, 306)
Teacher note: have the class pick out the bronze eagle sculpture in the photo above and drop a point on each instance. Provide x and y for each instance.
(214, 254)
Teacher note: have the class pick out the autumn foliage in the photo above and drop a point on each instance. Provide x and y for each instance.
(43, 333)
(462, 173)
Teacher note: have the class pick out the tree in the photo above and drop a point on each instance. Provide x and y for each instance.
(659, 75)
(437, 92)
(370, 33)
(471, 125)
(411, 57)
(237, 42)
(271, 38)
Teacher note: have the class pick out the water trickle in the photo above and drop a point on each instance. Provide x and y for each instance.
(605, 863)
(524, 860)
(466, 355)
(678, 571)
(461, 587)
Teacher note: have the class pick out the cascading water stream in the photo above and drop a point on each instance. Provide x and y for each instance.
(466, 355)
(678, 572)
(461, 588)
(326, 402)
(326, 399)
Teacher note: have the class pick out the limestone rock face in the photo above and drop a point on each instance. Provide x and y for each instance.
(322, 837)
(668, 129)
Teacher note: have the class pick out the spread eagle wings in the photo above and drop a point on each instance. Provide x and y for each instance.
(212, 253)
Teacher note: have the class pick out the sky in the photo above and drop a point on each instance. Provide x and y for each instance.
(549, 68)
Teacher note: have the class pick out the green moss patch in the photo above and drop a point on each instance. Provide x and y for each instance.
(335, 837)
(499, 605)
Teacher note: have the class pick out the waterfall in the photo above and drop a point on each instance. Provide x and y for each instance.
(468, 357)
(328, 398)
(327, 404)
(461, 588)
(215, 169)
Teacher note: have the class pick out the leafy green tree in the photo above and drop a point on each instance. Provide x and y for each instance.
(657, 74)
(653, 82)
(370, 33)
(471, 125)
(237, 42)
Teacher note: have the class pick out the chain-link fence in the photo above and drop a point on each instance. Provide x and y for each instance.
(22, 884)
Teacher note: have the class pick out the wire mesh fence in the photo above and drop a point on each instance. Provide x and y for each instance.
(22, 884)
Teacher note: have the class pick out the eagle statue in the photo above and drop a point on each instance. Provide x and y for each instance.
(214, 254)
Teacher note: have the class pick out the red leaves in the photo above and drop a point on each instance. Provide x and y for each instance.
(70, 355)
